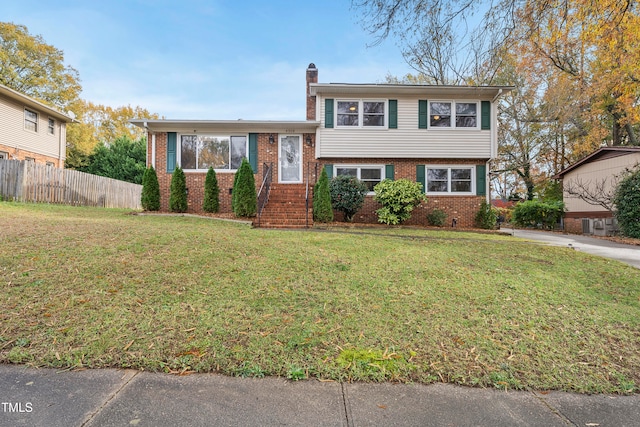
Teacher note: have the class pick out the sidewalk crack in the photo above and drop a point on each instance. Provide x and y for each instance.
(553, 409)
(113, 395)
(345, 402)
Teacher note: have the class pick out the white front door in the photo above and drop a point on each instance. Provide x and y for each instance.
(290, 159)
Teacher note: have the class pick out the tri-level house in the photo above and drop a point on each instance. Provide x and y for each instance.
(441, 136)
(31, 130)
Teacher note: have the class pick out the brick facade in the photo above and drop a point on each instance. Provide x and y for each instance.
(460, 208)
(20, 154)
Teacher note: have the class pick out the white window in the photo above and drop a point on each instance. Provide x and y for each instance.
(369, 174)
(450, 114)
(29, 160)
(450, 179)
(361, 113)
(221, 152)
(30, 120)
(4, 155)
(52, 126)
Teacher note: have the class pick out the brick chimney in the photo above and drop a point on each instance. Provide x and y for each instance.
(312, 77)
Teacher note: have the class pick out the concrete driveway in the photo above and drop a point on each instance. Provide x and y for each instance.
(629, 254)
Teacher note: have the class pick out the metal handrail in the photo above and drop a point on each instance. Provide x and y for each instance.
(308, 181)
(265, 188)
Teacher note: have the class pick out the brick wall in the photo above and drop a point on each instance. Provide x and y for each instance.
(20, 154)
(462, 208)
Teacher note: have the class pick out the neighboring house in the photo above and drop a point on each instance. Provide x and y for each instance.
(440, 136)
(30, 130)
(595, 178)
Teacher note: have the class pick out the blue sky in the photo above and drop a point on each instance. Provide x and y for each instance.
(216, 59)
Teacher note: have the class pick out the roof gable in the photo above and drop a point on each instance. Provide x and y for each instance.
(603, 153)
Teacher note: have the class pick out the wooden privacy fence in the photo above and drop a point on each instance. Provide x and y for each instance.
(29, 182)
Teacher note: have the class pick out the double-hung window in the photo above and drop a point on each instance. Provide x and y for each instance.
(52, 126)
(30, 120)
(450, 114)
(361, 113)
(370, 175)
(449, 179)
(221, 152)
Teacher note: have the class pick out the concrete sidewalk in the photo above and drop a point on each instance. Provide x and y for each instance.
(110, 397)
(628, 254)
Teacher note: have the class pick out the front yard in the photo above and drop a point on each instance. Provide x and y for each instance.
(84, 287)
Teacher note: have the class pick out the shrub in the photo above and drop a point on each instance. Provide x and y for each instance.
(534, 213)
(627, 203)
(437, 218)
(322, 210)
(245, 199)
(150, 198)
(347, 195)
(178, 196)
(398, 198)
(487, 216)
(211, 201)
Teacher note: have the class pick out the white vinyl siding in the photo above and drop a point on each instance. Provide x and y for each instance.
(12, 117)
(407, 141)
(595, 172)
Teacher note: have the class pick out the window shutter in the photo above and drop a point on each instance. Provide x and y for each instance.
(421, 177)
(253, 151)
(329, 169)
(172, 138)
(389, 172)
(485, 108)
(481, 180)
(393, 114)
(423, 116)
(328, 113)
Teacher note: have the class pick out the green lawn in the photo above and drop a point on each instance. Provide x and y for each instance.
(84, 287)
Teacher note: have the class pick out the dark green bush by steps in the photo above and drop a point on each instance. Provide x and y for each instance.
(211, 201)
(347, 195)
(178, 196)
(244, 196)
(150, 198)
(322, 210)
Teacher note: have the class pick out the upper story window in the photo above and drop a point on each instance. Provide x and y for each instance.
(450, 180)
(450, 114)
(360, 113)
(30, 120)
(52, 126)
(370, 175)
(200, 152)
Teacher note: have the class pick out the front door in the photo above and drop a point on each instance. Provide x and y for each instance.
(290, 159)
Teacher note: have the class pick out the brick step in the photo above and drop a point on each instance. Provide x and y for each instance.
(286, 207)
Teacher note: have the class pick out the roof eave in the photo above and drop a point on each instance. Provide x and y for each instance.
(36, 105)
(281, 126)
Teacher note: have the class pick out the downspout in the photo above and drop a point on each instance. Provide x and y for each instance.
(494, 139)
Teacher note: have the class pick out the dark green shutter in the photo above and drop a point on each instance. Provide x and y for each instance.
(329, 169)
(485, 108)
(481, 180)
(389, 172)
(421, 176)
(253, 151)
(423, 113)
(172, 142)
(393, 114)
(328, 113)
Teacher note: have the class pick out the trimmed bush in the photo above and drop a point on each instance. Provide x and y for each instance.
(398, 198)
(244, 196)
(211, 201)
(537, 214)
(150, 198)
(347, 195)
(627, 203)
(322, 210)
(178, 196)
(487, 216)
(437, 218)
